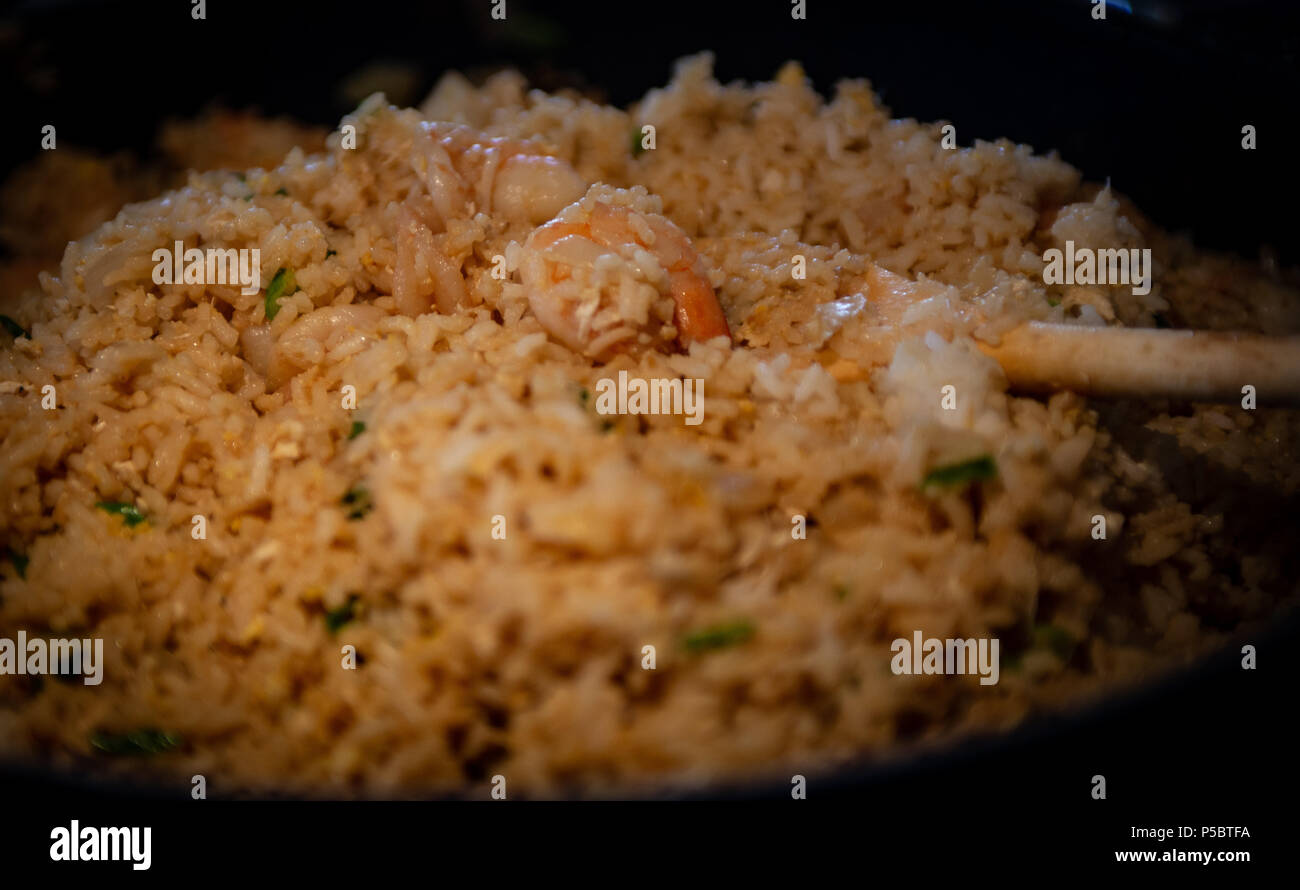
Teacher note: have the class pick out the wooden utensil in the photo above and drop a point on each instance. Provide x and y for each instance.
(1144, 363)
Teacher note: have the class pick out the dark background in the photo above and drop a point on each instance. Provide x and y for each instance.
(1154, 100)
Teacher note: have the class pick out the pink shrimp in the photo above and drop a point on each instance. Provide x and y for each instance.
(608, 273)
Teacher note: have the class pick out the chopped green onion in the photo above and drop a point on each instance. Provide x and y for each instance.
(330, 253)
(1052, 301)
(953, 475)
(841, 592)
(719, 636)
(344, 614)
(13, 328)
(282, 285)
(241, 177)
(138, 742)
(584, 395)
(357, 500)
(282, 191)
(130, 513)
(637, 148)
(358, 428)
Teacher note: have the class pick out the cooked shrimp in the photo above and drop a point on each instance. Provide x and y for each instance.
(466, 172)
(423, 272)
(510, 178)
(608, 273)
(306, 341)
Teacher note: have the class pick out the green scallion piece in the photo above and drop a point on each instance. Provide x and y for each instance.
(133, 744)
(719, 636)
(130, 513)
(344, 614)
(282, 285)
(953, 475)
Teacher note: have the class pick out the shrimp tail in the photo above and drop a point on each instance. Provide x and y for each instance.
(699, 316)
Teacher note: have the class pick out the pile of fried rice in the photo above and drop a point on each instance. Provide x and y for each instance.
(431, 484)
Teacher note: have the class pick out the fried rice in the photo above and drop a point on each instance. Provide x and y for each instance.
(437, 491)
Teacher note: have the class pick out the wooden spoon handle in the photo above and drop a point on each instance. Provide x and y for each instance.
(1145, 363)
